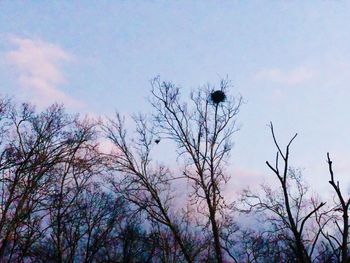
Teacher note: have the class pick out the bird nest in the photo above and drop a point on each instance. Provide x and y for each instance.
(217, 96)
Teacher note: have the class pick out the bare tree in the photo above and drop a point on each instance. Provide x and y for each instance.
(47, 160)
(57, 205)
(339, 244)
(145, 185)
(289, 209)
(203, 133)
(70, 180)
(33, 147)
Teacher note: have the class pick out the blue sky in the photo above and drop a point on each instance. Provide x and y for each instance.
(290, 60)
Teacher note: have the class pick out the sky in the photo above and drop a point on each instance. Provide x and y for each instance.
(290, 60)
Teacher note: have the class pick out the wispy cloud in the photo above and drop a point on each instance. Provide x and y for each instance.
(39, 73)
(289, 77)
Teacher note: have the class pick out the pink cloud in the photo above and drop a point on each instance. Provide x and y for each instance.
(39, 74)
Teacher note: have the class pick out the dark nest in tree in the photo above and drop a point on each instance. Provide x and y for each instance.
(217, 96)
